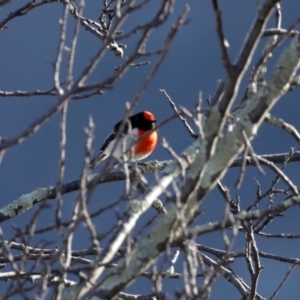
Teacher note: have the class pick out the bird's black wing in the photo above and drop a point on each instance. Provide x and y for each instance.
(113, 135)
(108, 140)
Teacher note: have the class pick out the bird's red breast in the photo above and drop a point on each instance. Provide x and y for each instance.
(147, 144)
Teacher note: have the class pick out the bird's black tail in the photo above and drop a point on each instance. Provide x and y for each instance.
(98, 159)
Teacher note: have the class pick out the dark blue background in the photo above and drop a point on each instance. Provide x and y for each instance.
(28, 49)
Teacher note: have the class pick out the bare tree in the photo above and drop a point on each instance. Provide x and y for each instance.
(158, 235)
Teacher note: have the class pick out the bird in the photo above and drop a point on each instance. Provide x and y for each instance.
(137, 140)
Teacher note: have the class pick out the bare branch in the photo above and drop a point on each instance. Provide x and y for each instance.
(173, 105)
(224, 45)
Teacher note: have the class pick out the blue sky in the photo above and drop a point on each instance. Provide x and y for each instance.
(193, 65)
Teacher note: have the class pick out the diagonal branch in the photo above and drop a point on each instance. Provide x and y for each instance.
(207, 165)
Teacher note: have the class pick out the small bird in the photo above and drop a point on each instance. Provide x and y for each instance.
(137, 141)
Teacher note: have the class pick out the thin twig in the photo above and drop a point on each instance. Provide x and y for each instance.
(185, 123)
(222, 40)
(289, 272)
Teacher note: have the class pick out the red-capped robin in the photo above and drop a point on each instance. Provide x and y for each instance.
(137, 141)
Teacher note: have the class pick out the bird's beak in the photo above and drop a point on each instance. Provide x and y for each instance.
(154, 121)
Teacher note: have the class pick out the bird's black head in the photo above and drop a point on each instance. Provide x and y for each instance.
(144, 120)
